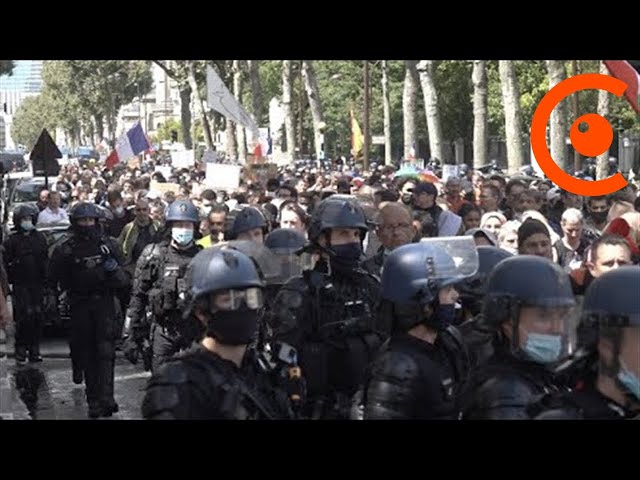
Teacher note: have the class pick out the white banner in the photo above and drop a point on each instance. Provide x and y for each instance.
(222, 177)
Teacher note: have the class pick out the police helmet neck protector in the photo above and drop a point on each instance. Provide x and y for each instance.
(82, 211)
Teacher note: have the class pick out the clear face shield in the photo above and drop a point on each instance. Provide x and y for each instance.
(290, 265)
(546, 333)
(266, 261)
(463, 261)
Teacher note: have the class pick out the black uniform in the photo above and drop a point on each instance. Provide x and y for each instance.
(200, 385)
(414, 379)
(160, 282)
(588, 404)
(89, 269)
(25, 256)
(331, 320)
(505, 387)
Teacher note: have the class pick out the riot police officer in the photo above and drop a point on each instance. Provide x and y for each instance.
(25, 256)
(612, 306)
(208, 381)
(329, 313)
(246, 223)
(88, 266)
(476, 332)
(160, 283)
(528, 304)
(421, 368)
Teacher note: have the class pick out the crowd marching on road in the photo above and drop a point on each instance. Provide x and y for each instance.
(326, 291)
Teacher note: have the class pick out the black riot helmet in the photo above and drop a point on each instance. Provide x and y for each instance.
(337, 211)
(612, 307)
(25, 211)
(85, 210)
(242, 219)
(227, 292)
(413, 275)
(473, 289)
(529, 281)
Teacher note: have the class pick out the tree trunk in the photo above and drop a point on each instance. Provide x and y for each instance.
(311, 86)
(232, 144)
(289, 122)
(426, 72)
(185, 115)
(511, 102)
(256, 90)
(480, 124)
(99, 127)
(409, 95)
(558, 123)
(602, 163)
(200, 106)
(386, 107)
(237, 92)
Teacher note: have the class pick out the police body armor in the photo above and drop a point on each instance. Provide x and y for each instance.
(26, 257)
(577, 405)
(505, 388)
(166, 268)
(415, 380)
(332, 323)
(92, 267)
(223, 391)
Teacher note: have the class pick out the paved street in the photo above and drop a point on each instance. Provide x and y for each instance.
(45, 391)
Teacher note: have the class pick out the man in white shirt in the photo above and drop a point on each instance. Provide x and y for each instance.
(53, 213)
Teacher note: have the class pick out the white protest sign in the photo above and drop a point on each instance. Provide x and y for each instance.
(449, 171)
(163, 187)
(222, 177)
(184, 159)
(165, 171)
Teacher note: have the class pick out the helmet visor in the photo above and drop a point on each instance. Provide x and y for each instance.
(229, 300)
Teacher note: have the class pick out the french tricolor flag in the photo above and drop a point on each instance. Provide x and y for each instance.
(129, 145)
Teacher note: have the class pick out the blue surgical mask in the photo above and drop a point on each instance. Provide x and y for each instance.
(27, 225)
(543, 348)
(182, 236)
(629, 380)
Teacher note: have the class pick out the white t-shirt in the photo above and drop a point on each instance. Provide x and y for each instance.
(48, 216)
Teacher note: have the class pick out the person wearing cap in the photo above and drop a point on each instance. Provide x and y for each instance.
(482, 237)
(424, 199)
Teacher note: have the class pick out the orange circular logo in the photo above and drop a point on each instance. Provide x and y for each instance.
(595, 140)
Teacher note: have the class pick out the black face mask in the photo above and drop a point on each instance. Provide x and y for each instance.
(443, 316)
(599, 217)
(346, 257)
(88, 232)
(234, 327)
(406, 198)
